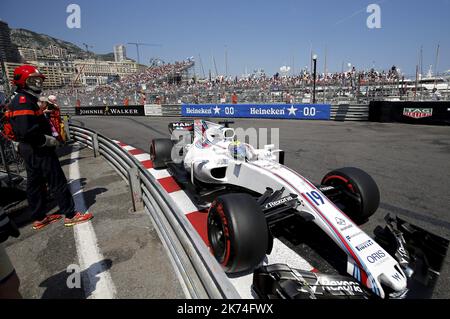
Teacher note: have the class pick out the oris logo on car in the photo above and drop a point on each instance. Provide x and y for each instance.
(375, 257)
(364, 245)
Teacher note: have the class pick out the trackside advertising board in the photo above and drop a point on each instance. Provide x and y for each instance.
(271, 111)
(152, 110)
(137, 110)
(424, 112)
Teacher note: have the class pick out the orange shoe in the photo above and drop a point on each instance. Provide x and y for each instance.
(46, 221)
(78, 219)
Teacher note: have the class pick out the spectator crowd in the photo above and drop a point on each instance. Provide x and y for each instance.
(174, 83)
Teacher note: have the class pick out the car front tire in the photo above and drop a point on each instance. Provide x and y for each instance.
(237, 232)
(361, 196)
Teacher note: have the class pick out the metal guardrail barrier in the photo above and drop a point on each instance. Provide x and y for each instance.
(199, 273)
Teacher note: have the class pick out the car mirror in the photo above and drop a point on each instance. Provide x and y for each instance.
(228, 133)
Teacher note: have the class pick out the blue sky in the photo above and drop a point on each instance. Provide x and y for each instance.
(256, 34)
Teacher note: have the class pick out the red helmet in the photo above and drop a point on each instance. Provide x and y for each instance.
(23, 72)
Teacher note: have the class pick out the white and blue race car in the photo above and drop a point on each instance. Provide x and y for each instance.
(249, 191)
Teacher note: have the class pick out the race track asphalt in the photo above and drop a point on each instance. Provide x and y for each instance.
(410, 163)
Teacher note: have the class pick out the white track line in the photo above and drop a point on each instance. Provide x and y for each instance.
(97, 282)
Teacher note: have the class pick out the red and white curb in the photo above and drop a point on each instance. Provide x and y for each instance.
(198, 218)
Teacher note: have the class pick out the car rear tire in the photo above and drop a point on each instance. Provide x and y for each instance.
(237, 232)
(361, 196)
(161, 152)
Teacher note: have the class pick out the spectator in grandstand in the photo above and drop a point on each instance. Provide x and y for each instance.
(234, 98)
(289, 98)
(142, 99)
(223, 98)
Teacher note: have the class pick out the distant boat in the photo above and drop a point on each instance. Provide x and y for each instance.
(446, 76)
(430, 82)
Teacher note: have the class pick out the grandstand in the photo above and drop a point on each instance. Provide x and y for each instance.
(176, 83)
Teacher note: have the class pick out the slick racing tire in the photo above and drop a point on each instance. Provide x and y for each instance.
(237, 232)
(161, 152)
(361, 196)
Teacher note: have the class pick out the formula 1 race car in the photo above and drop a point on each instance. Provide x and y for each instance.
(248, 191)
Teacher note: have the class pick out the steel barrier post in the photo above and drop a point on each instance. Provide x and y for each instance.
(67, 128)
(95, 145)
(135, 188)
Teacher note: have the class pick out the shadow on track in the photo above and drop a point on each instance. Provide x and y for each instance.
(57, 286)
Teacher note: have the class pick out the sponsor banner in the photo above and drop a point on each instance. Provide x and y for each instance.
(433, 112)
(417, 113)
(271, 111)
(152, 110)
(137, 110)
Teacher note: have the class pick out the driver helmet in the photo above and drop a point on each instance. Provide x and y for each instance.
(237, 150)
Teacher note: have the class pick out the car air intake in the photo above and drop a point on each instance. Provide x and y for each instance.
(219, 172)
